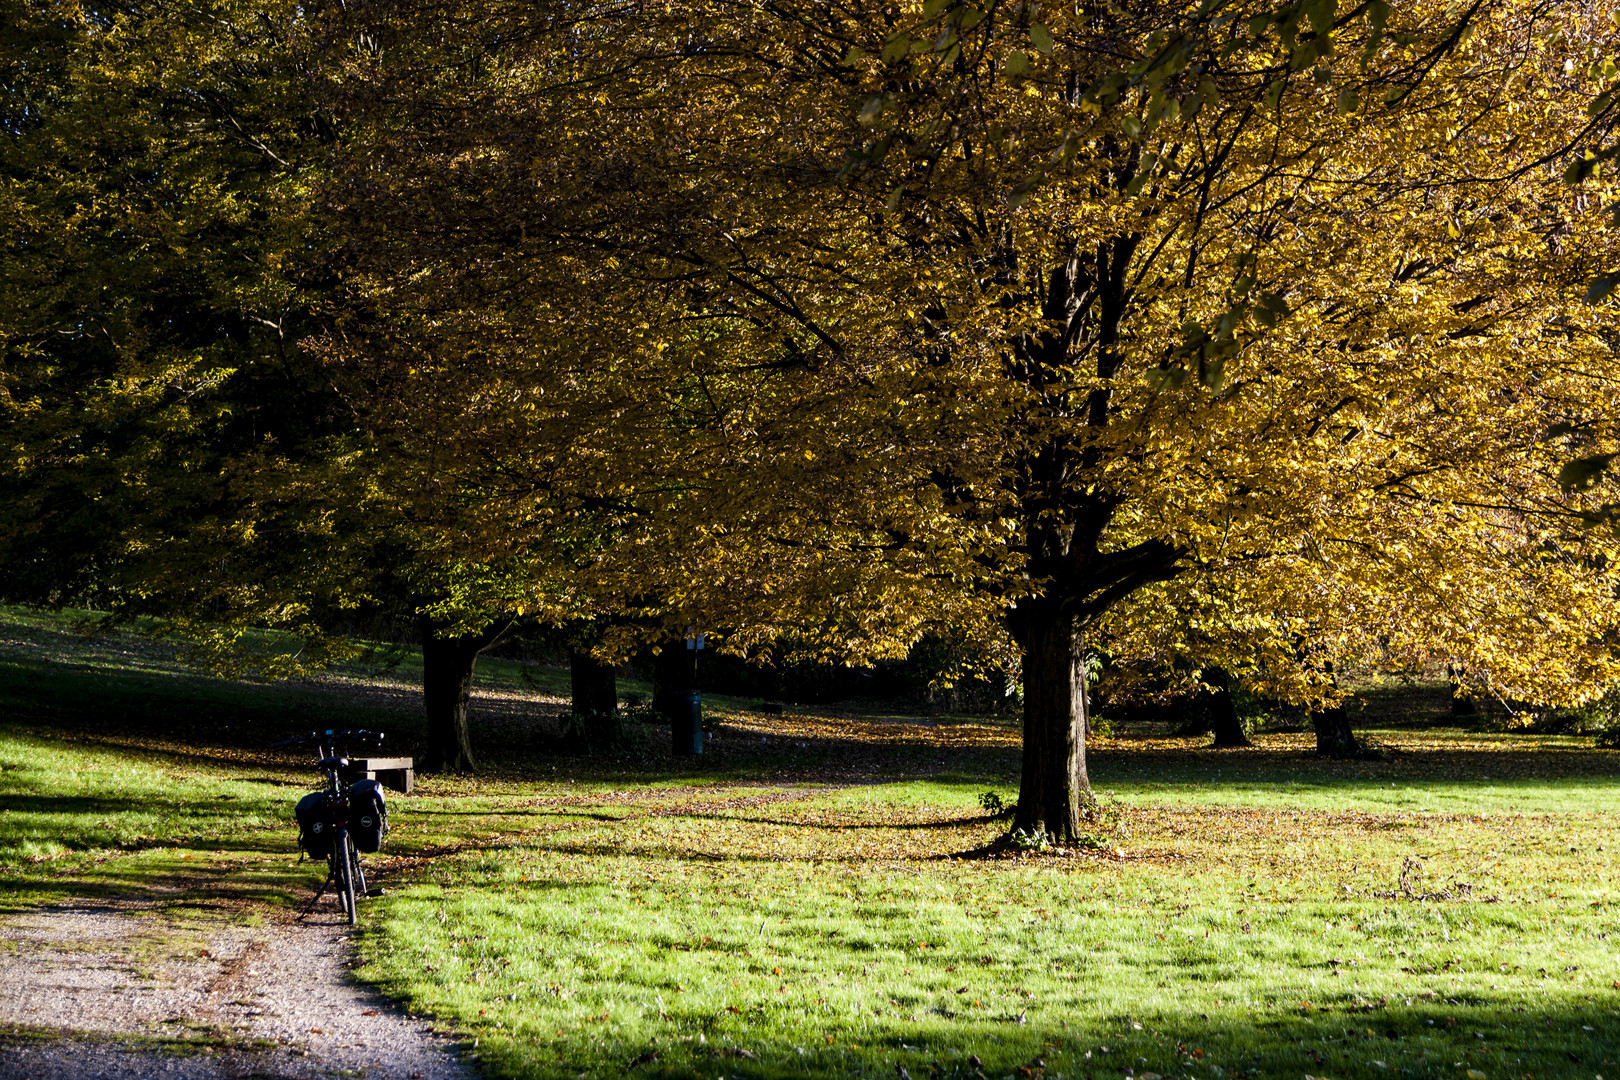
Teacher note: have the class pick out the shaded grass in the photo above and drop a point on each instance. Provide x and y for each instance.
(54, 678)
(199, 1039)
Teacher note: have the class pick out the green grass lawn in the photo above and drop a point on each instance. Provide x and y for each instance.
(802, 901)
(785, 931)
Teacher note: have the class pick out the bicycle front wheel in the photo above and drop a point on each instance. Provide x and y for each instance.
(357, 875)
(344, 859)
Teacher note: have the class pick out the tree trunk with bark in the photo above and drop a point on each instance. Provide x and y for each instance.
(447, 673)
(675, 696)
(1222, 711)
(1054, 786)
(595, 697)
(1334, 738)
(1065, 523)
(674, 677)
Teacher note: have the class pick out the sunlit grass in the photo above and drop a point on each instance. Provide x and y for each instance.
(60, 799)
(830, 933)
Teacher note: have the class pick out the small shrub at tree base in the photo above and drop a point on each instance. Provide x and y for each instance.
(1033, 840)
(994, 805)
(1257, 711)
(572, 728)
(585, 733)
(639, 714)
(633, 735)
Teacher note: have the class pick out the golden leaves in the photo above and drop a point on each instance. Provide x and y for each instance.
(829, 350)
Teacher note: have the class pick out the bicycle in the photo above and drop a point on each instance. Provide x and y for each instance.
(328, 818)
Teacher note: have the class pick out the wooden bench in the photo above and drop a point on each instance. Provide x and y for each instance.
(395, 773)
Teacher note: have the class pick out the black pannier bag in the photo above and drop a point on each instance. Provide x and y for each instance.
(368, 815)
(314, 825)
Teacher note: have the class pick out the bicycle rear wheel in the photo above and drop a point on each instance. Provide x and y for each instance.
(343, 860)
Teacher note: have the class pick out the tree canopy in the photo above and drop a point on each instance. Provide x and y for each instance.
(1263, 334)
(160, 422)
(1095, 322)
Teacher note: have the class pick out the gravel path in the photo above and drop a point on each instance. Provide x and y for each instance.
(115, 990)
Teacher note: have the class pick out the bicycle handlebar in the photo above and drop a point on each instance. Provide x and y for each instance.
(321, 738)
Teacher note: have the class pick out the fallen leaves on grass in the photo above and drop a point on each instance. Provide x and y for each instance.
(1406, 887)
(880, 730)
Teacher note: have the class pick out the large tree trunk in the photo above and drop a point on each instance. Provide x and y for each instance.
(447, 674)
(595, 691)
(1222, 712)
(1055, 784)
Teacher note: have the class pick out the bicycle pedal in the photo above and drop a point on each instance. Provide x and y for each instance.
(375, 892)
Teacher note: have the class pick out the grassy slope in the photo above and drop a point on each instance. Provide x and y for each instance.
(790, 905)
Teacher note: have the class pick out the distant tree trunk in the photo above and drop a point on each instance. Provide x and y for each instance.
(1054, 783)
(674, 677)
(1222, 711)
(595, 691)
(1462, 703)
(1196, 720)
(1334, 738)
(447, 674)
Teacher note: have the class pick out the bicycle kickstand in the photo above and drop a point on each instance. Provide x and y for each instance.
(317, 898)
